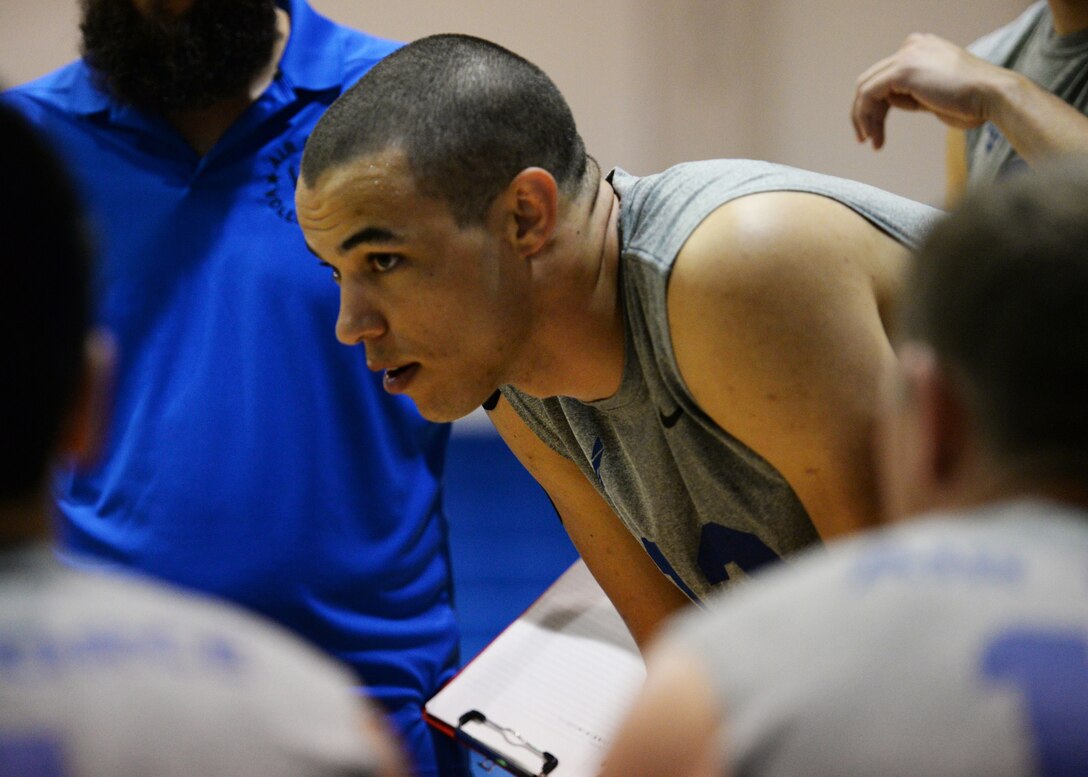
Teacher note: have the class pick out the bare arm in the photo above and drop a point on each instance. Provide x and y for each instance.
(1036, 122)
(672, 727)
(955, 165)
(642, 595)
(775, 307)
(383, 741)
(931, 74)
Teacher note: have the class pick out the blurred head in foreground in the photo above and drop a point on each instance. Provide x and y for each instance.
(106, 675)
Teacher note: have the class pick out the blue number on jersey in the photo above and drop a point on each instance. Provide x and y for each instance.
(1050, 669)
(30, 756)
(718, 545)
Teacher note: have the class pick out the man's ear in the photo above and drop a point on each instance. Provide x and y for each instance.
(84, 433)
(532, 199)
(942, 416)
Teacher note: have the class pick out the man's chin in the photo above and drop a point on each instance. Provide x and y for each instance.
(442, 413)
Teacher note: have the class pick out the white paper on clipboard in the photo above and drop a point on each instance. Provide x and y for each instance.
(557, 680)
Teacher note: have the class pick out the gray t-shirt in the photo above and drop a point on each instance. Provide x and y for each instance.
(1029, 46)
(949, 646)
(706, 507)
(110, 676)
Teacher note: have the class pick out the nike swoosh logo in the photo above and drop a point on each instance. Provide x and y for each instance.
(669, 421)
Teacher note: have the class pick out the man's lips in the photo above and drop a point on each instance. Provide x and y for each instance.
(396, 379)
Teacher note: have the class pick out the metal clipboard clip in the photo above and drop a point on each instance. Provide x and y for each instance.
(547, 760)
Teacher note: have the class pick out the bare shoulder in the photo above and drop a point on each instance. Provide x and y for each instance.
(757, 239)
(685, 741)
(777, 257)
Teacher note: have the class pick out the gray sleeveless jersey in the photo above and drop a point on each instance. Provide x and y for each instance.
(103, 676)
(1028, 46)
(951, 646)
(705, 506)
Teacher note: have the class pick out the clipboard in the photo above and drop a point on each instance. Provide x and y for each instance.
(546, 696)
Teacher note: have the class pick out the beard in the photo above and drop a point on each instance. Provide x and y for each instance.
(164, 63)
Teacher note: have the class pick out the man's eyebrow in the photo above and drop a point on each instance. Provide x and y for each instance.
(370, 235)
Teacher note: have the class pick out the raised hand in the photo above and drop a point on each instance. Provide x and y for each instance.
(927, 73)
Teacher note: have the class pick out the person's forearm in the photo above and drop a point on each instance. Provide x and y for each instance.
(1036, 123)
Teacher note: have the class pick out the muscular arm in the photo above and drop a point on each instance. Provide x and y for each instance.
(931, 74)
(1036, 122)
(643, 595)
(775, 306)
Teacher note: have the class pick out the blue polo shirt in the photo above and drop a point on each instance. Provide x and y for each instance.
(252, 456)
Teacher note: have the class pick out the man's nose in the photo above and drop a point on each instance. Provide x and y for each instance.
(359, 318)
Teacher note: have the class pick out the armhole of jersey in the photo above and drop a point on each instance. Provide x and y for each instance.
(492, 401)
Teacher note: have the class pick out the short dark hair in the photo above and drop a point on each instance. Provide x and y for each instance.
(44, 308)
(468, 114)
(999, 290)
